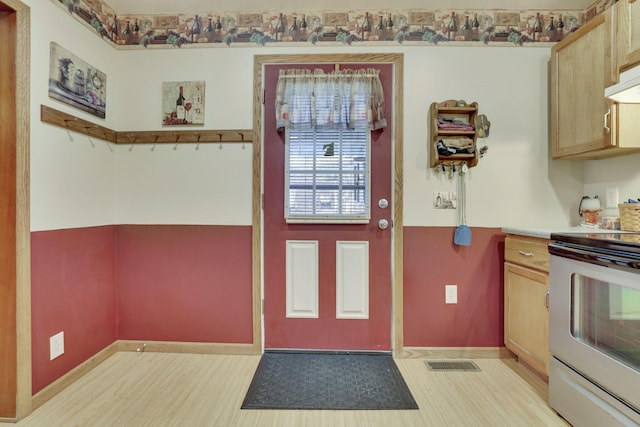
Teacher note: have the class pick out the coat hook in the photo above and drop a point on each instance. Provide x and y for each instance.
(86, 129)
(241, 136)
(198, 136)
(66, 121)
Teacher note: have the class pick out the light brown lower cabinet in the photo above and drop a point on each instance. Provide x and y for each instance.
(526, 301)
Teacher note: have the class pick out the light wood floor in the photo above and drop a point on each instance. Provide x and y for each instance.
(162, 389)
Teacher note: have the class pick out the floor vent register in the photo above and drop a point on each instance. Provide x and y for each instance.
(452, 365)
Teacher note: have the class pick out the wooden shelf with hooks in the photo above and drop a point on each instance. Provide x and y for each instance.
(196, 136)
(75, 124)
(186, 136)
(452, 110)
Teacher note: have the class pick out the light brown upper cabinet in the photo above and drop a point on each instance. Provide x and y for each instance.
(627, 33)
(583, 123)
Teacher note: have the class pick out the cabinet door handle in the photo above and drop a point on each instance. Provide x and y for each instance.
(606, 120)
(546, 299)
(523, 253)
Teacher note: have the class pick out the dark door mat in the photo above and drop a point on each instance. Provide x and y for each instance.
(328, 381)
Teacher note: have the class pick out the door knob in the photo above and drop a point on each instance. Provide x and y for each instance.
(383, 203)
(383, 224)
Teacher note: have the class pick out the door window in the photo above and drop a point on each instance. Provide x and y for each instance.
(327, 175)
(328, 119)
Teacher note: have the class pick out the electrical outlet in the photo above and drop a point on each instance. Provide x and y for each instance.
(450, 294)
(56, 345)
(612, 198)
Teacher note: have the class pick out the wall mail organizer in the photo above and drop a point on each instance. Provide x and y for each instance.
(453, 133)
(72, 123)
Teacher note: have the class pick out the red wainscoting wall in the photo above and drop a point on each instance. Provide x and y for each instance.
(184, 283)
(431, 261)
(72, 290)
(137, 282)
(193, 284)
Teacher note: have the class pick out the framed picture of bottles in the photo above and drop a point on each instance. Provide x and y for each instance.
(74, 82)
(182, 103)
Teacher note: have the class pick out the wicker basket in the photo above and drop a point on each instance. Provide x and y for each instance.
(633, 238)
(629, 216)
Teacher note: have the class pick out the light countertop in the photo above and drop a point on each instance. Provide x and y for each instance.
(545, 232)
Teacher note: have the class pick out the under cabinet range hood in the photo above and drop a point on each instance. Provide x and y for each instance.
(627, 91)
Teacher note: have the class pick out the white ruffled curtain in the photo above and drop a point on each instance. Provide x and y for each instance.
(349, 99)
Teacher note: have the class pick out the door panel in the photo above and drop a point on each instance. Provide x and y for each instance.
(302, 278)
(352, 280)
(353, 267)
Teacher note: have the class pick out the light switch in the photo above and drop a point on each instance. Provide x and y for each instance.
(611, 201)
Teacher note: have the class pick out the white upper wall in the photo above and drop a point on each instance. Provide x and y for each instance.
(210, 185)
(75, 184)
(71, 176)
(622, 173)
(514, 184)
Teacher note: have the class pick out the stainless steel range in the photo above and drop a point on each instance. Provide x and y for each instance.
(594, 328)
